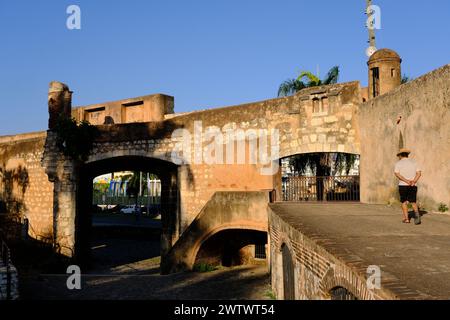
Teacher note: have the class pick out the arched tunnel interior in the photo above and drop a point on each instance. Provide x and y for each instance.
(233, 247)
(122, 221)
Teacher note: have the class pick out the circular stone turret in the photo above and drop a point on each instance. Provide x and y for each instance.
(384, 54)
(384, 72)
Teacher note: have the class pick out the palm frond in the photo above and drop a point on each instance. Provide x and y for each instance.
(344, 161)
(313, 80)
(332, 76)
(406, 79)
(290, 87)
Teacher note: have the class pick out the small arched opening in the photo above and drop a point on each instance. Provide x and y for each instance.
(341, 293)
(233, 247)
(288, 273)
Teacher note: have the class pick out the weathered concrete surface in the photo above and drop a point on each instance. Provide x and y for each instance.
(414, 260)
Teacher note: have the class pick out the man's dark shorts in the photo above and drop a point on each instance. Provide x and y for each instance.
(407, 193)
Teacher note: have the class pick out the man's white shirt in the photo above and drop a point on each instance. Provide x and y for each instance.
(407, 168)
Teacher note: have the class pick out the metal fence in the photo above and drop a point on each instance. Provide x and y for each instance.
(150, 196)
(5, 256)
(328, 188)
(102, 199)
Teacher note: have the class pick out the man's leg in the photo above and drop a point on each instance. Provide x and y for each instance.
(405, 210)
(417, 219)
(412, 198)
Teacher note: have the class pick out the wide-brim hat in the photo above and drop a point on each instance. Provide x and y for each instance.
(403, 150)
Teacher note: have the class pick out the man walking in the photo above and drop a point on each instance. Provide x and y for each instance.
(408, 173)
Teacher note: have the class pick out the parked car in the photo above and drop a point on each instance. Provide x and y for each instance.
(130, 209)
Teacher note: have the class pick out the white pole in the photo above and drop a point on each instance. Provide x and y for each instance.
(148, 193)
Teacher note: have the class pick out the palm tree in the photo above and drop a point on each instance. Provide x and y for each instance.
(292, 86)
(320, 164)
(406, 79)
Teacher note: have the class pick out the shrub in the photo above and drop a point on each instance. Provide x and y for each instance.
(75, 139)
(442, 207)
(204, 267)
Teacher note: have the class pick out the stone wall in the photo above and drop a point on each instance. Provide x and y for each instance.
(24, 186)
(140, 109)
(424, 108)
(320, 119)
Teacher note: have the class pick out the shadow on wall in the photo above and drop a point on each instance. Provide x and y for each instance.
(13, 186)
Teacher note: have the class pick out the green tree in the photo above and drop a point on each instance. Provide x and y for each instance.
(307, 79)
(406, 79)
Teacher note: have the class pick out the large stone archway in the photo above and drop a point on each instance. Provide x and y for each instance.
(167, 173)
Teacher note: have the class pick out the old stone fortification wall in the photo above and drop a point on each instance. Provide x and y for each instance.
(424, 107)
(24, 187)
(320, 119)
(320, 265)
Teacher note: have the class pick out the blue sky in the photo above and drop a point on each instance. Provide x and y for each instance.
(206, 53)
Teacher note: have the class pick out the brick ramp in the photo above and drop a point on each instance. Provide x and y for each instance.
(225, 210)
(414, 260)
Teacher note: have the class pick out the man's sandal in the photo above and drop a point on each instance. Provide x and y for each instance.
(406, 221)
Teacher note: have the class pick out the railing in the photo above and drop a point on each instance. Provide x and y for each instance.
(5, 255)
(328, 188)
(101, 199)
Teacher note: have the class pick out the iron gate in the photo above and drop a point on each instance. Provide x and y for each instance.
(327, 188)
(5, 258)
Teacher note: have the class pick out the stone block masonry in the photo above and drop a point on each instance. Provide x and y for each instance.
(24, 186)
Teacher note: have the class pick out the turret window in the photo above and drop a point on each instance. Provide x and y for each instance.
(375, 82)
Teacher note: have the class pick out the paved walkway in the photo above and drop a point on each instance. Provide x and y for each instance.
(419, 255)
(129, 269)
(125, 220)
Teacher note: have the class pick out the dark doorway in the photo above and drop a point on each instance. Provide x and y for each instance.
(233, 247)
(288, 273)
(341, 293)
